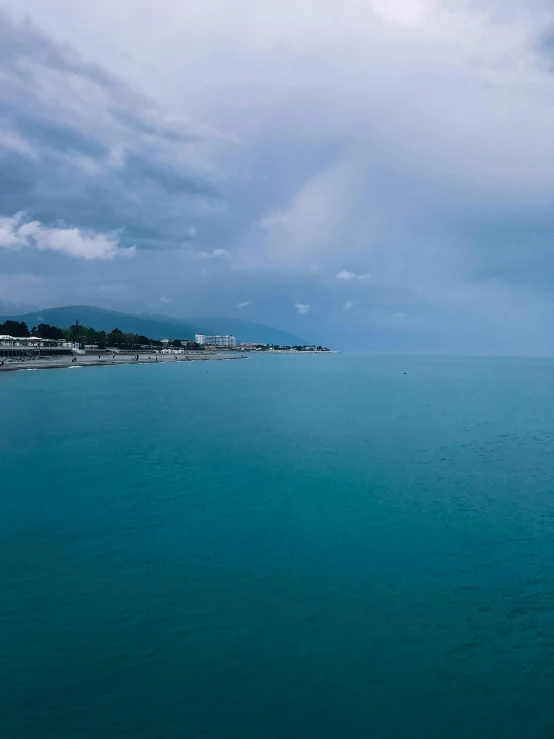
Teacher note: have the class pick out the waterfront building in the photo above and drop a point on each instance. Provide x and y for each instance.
(220, 342)
(29, 346)
(26, 341)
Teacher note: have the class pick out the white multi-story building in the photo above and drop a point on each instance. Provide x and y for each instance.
(222, 342)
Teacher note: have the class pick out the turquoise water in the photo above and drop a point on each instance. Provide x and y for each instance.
(289, 546)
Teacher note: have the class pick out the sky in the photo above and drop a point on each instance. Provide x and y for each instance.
(370, 174)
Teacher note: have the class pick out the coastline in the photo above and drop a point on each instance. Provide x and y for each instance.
(66, 362)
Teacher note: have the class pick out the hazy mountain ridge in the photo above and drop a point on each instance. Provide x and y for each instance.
(156, 326)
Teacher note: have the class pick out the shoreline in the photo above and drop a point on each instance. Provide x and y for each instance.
(83, 361)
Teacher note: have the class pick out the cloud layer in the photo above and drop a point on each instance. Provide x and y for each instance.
(392, 155)
(18, 233)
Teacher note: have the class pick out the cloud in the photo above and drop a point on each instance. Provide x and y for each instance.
(17, 233)
(243, 305)
(545, 47)
(81, 144)
(16, 143)
(215, 254)
(347, 276)
(348, 305)
(273, 220)
(344, 275)
(402, 162)
(163, 175)
(163, 299)
(302, 308)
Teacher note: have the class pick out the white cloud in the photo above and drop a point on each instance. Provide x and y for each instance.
(17, 233)
(13, 142)
(348, 305)
(273, 220)
(191, 232)
(347, 276)
(302, 308)
(315, 268)
(403, 12)
(87, 164)
(243, 305)
(215, 254)
(306, 230)
(9, 238)
(163, 299)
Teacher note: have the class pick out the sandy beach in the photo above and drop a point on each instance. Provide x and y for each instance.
(66, 362)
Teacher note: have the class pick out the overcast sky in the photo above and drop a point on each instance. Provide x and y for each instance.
(372, 173)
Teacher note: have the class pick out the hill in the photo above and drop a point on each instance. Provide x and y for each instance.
(156, 326)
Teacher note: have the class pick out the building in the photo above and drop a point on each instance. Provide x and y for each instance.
(26, 341)
(220, 342)
(30, 346)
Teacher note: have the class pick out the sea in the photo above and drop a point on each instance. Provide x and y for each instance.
(284, 547)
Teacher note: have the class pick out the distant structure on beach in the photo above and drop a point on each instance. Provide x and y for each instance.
(284, 348)
(30, 346)
(221, 342)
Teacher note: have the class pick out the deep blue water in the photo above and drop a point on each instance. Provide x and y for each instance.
(289, 546)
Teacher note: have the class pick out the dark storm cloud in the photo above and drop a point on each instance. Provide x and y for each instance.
(138, 168)
(47, 134)
(22, 47)
(545, 47)
(104, 163)
(17, 179)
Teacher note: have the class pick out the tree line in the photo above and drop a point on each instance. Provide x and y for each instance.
(85, 335)
(14, 328)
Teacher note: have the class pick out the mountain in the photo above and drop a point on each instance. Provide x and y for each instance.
(156, 326)
(246, 331)
(106, 320)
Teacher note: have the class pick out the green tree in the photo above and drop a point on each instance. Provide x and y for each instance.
(18, 329)
(74, 332)
(114, 338)
(45, 331)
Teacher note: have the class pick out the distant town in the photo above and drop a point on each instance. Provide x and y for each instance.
(229, 342)
(43, 340)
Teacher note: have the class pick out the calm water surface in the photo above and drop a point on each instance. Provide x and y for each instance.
(289, 546)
